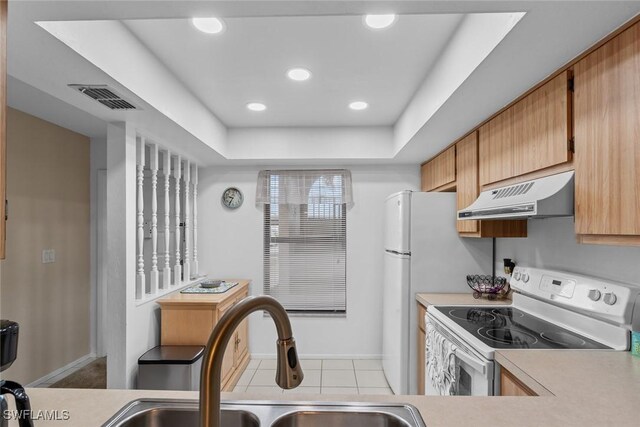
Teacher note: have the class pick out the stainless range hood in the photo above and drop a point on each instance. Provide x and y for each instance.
(539, 198)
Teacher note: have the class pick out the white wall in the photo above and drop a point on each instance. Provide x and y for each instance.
(552, 244)
(98, 161)
(318, 143)
(230, 245)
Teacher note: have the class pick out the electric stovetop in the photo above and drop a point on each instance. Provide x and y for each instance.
(511, 328)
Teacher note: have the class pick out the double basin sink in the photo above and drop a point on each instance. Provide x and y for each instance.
(184, 413)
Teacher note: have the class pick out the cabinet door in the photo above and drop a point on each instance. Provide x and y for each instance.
(511, 386)
(531, 135)
(467, 188)
(607, 138)
(228, 361)
(542, 127)
(242, 336)
(3, 123)
(439, 171)
(496, 146)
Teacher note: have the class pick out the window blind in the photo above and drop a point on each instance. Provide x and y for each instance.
(305, 243)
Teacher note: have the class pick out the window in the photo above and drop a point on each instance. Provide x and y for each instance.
(305, 218)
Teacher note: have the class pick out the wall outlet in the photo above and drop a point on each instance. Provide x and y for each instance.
(48, 256)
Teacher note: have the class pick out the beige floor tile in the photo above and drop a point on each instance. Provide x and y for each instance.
(339, 390)
(253, 364)
(311, 364)
(245, 378)
(268, 364)
(337, 364)
(338, 378)
(367, 365)
(311, 378)
(372, 390)
(240, 388)
(264, 389)
(264, 377)
(371, 379)
(303, 390)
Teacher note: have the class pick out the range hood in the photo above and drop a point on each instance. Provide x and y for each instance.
(539, 198)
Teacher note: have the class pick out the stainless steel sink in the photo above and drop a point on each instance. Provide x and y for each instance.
(341, 419)
(184, 413)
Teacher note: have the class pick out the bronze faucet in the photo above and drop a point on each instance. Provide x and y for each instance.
(288, 373)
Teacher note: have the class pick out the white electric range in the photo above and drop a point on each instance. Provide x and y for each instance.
(550, 310)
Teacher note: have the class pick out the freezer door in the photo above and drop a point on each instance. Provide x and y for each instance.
(397, 217)
(395, 321)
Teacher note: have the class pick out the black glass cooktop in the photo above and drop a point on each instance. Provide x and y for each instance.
(507, 327)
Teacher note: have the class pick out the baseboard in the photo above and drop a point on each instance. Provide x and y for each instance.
(320, 356)
(58, 371)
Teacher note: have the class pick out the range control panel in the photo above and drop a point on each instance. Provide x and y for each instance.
(604, 298)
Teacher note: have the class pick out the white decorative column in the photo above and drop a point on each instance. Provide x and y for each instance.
(140, 277)
(194, 180)
(154, 274)
(166, 172)
(177, 268)
(186, 264)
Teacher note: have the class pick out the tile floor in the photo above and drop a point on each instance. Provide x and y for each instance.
(329, 376)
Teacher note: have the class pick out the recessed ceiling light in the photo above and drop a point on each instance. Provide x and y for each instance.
(299, 74)
(358, 105)
(208, 25)
(256, 106)
(378, 22)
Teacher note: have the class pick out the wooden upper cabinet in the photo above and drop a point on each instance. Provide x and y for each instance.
(531, 135)
(3, 124)
(468, 190)
(467, 187)
(440, 171)
(607, 141)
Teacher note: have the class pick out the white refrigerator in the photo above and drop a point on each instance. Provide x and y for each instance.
(423, 253)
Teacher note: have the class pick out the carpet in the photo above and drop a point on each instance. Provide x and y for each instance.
(93, 375)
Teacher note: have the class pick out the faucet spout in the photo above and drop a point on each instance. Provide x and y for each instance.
(288, 372)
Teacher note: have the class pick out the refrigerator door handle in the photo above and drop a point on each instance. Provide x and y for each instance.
(397, 252)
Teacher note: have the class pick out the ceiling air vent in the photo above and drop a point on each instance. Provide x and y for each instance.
(514, 190)
(105, 96)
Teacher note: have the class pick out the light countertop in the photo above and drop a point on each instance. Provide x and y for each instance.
(427, 299)
(575, 387)
(177, 299)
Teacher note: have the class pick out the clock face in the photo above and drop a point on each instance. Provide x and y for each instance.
(232, 198)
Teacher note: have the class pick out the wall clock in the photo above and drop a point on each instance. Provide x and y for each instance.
(232, 198)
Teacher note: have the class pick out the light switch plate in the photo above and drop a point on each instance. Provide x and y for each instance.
(48, 256)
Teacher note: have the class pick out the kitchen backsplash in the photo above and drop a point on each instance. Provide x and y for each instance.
(552, 244)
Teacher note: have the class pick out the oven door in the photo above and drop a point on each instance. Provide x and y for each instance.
(453, 368)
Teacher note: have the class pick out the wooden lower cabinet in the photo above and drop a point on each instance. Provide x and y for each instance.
(422, 340)
(511, 386)
(188, 319)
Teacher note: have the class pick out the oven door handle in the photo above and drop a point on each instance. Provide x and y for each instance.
(477, 365)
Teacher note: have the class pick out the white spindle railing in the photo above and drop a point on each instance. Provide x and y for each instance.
(186, 264)
(140, 160)
(177, 268)
(154, 275)
(166, 172)
(194, 180)
(185, 174)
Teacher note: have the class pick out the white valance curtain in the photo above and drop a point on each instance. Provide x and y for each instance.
(304, 187)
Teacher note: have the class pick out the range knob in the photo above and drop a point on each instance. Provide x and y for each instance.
(610, 298)
(516, 275)
(525, 277)
(594, 295)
